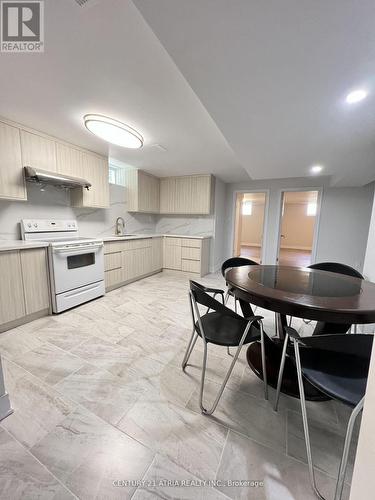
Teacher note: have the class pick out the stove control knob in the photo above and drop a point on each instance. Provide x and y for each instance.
(35, 224)
(29, 224)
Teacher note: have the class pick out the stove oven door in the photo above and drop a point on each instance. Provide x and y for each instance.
(77, 266)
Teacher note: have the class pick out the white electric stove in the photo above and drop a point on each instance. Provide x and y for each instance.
(76, 265)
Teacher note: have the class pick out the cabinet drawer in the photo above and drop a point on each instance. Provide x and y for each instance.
(190, 242)
(113, 246)
(191, 266)
(173, 241)
(112, 261)
(113, 277)
(143, 243)
(191, 253)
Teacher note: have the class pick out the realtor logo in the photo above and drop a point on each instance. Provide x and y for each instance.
(22, 26)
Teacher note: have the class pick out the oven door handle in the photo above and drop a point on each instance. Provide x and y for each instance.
(78, 250)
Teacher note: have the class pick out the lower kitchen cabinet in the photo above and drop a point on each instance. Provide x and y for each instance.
(35, 279)
(172, 253)
(189, 255)
(130, 260)
(12, 303)
(24, 286)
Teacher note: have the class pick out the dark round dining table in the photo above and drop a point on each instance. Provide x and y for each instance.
(334, 300)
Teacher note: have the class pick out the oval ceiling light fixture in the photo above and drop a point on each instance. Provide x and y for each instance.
(356, 96)
(113, 131)
(316, 169)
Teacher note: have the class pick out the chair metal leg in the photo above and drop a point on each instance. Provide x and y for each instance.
(305, 422)
(345, 453)
(264, 367)
(221, 390)
(228, 351)
(226, 298)
(281, 371)
(234, 360)
(189, 348)
(235, 305)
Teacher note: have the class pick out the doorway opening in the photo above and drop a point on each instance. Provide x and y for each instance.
(299, 211)
(249, 225)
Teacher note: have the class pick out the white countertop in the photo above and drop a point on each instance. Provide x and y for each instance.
(7, 245)
(143, 236)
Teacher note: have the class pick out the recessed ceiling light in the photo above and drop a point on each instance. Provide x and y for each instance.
(356, 96)
(113, 131)
(315, 169)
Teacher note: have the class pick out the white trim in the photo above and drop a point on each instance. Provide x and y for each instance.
(317, 217)
(265, 220)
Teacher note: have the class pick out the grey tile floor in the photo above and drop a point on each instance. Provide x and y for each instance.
(99, 396)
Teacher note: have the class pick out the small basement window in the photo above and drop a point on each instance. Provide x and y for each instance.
(311, 209)
(247, 207)
(116, 175)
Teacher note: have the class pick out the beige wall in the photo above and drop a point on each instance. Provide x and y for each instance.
(297, 227)
(252, 226)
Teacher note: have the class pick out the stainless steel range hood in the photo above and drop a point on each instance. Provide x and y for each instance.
(44, 177)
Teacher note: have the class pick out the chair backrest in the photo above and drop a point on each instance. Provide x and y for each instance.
(236, 262)
(321, 327)
(337, 267)
(203, 298)
(359, 345)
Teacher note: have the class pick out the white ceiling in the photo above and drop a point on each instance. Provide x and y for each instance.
(274, 75)
(104, 58)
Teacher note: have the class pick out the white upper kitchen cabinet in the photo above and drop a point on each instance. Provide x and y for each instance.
(94, 169)
(12, 183)
(143, 191)
(69, 160)
(38, 151)
(167, 195)
(191, 194)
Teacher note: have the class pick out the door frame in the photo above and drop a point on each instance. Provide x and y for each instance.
(265, 219)
(320, 191)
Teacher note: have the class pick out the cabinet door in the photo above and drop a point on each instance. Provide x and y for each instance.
(184, 201)
(69, 160)
(12, 303)
(12, 183)
(94, 170)
(167, 195)
(38, 152)
(35, 279)
(200, 194)
(157, 254)
(148, 193)
(172, 253)
(113, 277)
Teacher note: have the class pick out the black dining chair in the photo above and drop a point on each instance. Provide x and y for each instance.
(230, 264)
(321, 328)
(338, 366)
(334, 267)
(221, 326)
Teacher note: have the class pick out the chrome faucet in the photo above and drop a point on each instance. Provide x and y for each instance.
(120, 228)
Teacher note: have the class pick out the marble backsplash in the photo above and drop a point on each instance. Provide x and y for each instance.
(193, 225)
(54, 203)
